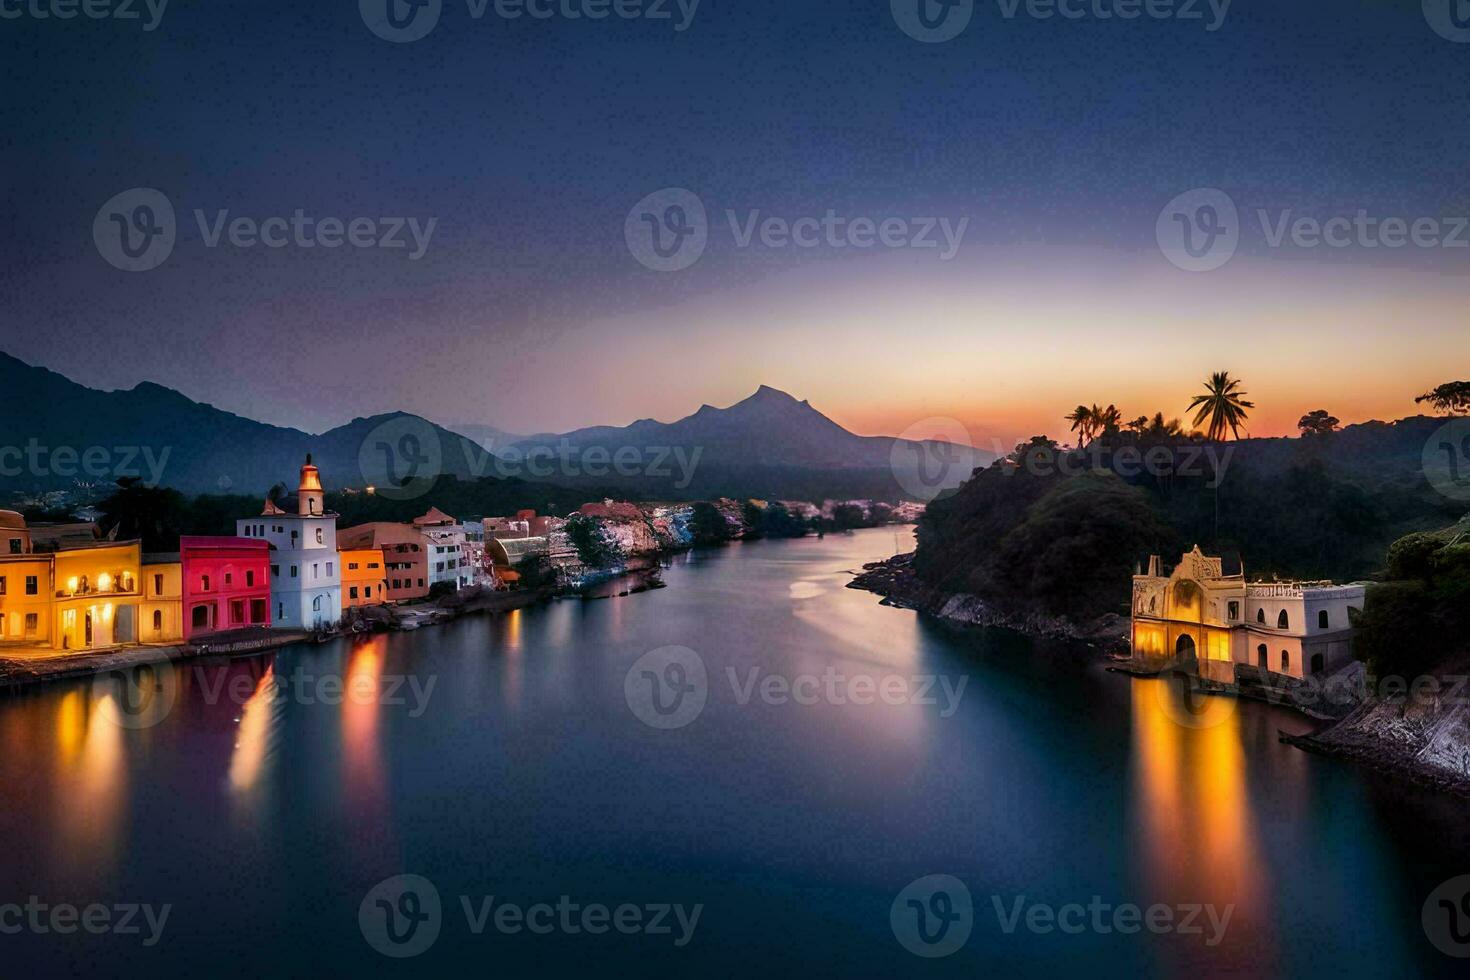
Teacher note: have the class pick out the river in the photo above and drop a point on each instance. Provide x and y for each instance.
(835, 751)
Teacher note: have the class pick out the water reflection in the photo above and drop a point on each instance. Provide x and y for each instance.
(1195, 833)
(90, 780)
(254, 742)
(362, 760)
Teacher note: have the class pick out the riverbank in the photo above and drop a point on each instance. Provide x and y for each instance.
(42, 668)
(896, 580)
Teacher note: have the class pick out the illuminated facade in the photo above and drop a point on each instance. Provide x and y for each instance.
(97, 594)
(305, 572)
(163, 595)
(363, 581)
(1214, 622)
(405, 553)
(226, 584)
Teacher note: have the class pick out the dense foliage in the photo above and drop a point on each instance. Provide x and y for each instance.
(595, 547)
(1419, 617)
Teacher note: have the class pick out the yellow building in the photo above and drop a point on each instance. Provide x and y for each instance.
(25, 598)
(163, 600)
(363, 580)
(97, 594)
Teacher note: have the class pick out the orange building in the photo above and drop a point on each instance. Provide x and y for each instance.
(363, 580)
(97, 595)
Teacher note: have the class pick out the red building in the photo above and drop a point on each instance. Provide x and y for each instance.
(226, 584)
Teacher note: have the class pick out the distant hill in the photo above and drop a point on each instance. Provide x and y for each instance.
(150, 430)
(769, 445)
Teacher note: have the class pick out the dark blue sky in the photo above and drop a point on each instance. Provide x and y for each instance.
(529, 141)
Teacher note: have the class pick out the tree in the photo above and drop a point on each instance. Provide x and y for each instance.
(1317, 423)
(1450, 398)
(1107, 421)
(154, 515)
(1158, 428)
(1082, 423)
(707, 525)
(594, 546)
(1223, 405)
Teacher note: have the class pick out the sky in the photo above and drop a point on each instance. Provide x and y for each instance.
(1059, 153)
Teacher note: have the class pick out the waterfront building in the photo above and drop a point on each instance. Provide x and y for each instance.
(305, 572)
(25, 596)
(363, 580)
(405, 553)
(97, 594)
(448, 561)
(227, 584)
(1216, 623)
(163, 598)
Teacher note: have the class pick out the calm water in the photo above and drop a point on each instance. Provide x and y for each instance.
(264, 821)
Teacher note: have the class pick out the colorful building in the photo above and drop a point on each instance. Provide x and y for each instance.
(448, 561)
(405, 556)
(363, 579)
(226, 584)
(305, 573)
(163, 599)
(1215, 623)
(25, 598)
(98, 592)
(15, 537)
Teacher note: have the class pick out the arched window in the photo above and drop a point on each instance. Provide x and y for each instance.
(319, 538)
(157, 620)
(1285, 662)
(316, 604)
(1322, 619)
(1263, 657)
(1153, 603)
(1260, 615)
(1282, 622)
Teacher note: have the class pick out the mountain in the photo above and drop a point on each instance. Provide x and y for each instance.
(57, 433)
(769, 445)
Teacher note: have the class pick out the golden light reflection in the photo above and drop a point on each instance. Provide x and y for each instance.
(362, 762)
(510, 637)
(91, 780)
(255, 735)
(1196, 833)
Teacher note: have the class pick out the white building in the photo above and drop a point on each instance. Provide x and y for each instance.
(449, 560)
(306, 573)
(1219, 622)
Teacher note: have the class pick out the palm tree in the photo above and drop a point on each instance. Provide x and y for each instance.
(1160, 429)
(1223, 405)
(1083, 420)
(1108, 420)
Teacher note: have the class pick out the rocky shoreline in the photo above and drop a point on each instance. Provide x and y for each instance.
(1425, 742)
(896, 580)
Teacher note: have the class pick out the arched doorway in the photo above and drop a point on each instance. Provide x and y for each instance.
(1184, 652)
